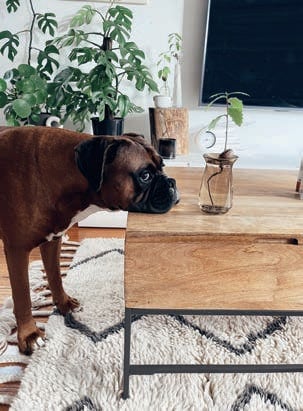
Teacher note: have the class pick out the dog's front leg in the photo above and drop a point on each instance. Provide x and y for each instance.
(50, 253)
(28, 333)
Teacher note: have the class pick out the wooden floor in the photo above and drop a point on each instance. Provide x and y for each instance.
(75, 234)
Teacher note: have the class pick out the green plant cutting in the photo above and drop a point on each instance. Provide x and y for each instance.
(233, 111)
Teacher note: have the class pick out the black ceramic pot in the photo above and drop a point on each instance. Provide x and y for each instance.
(112, 127)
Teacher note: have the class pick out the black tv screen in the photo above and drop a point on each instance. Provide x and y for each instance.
(254, 46)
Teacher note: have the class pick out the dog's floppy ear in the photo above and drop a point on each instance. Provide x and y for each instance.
(91, 156)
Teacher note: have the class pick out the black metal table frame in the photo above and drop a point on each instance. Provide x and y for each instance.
(149, 369)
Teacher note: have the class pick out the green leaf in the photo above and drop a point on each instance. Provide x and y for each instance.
(135, 109)
(235, 110)
(47, 63)
(30, 99)
(35, 118)
(82, 55)
(3, 99)
(235, 103)
(46, 22)
(10, 46)
(152, 85)
(26, 70)
(25, 86)
(214, 122)
(73, 37)
(122, 17)
(119, 34)
(21, 107)
(12, 5)
(123, 105)
(40, 96)
(83, 16)
(40, 83)
(236, 115)
(3, 85)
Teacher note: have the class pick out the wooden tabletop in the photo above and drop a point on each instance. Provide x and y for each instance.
(265, 204)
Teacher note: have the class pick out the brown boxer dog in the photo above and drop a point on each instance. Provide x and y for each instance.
(49, 176)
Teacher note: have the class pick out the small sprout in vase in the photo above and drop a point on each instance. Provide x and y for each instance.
(234, 112)
(215, 195)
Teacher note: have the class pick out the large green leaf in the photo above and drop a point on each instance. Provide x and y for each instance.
(26, 70)
(21, 107)
(122, 17)
(46, 62)
(11, 45)
(83, 16)
(47, 22)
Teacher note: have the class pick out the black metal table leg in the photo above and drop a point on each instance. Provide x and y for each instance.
(149, 369)
(126, 366)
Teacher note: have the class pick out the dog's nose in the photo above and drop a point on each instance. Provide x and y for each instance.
(173, 190)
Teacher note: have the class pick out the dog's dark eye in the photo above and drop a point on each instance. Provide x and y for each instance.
(145, 176)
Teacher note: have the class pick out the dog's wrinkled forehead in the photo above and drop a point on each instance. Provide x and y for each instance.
(139, 140)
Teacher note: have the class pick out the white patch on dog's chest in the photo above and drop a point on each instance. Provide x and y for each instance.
(78, 217)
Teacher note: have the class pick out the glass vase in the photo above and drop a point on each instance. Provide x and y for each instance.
(216, 191)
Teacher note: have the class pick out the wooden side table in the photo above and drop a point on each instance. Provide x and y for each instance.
(248, 261)
(170, 122)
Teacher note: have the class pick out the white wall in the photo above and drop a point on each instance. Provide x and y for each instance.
(269, 138)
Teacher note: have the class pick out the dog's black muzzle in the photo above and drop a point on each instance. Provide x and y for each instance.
(160, 196)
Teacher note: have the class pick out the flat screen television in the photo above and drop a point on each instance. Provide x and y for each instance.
(254, 46)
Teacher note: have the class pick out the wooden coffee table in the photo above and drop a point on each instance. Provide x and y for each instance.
(248, 261)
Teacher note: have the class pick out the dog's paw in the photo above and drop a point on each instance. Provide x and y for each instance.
(28, 344)
(69, 304)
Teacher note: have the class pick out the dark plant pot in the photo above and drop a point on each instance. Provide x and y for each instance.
(107, 126)
(46, 119)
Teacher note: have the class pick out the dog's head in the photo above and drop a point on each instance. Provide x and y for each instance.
(126, 173)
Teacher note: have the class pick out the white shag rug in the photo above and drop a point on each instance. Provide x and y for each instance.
(80, 367)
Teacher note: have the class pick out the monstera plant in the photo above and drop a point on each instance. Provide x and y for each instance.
(24, 89)
(103, 62)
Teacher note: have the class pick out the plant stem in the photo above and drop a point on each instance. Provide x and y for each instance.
(208, 183)
(30, 48)
(226, 125)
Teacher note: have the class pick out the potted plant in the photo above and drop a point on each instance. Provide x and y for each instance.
(24, 88)
(164, 70)
(105, 59)
(215, 194)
